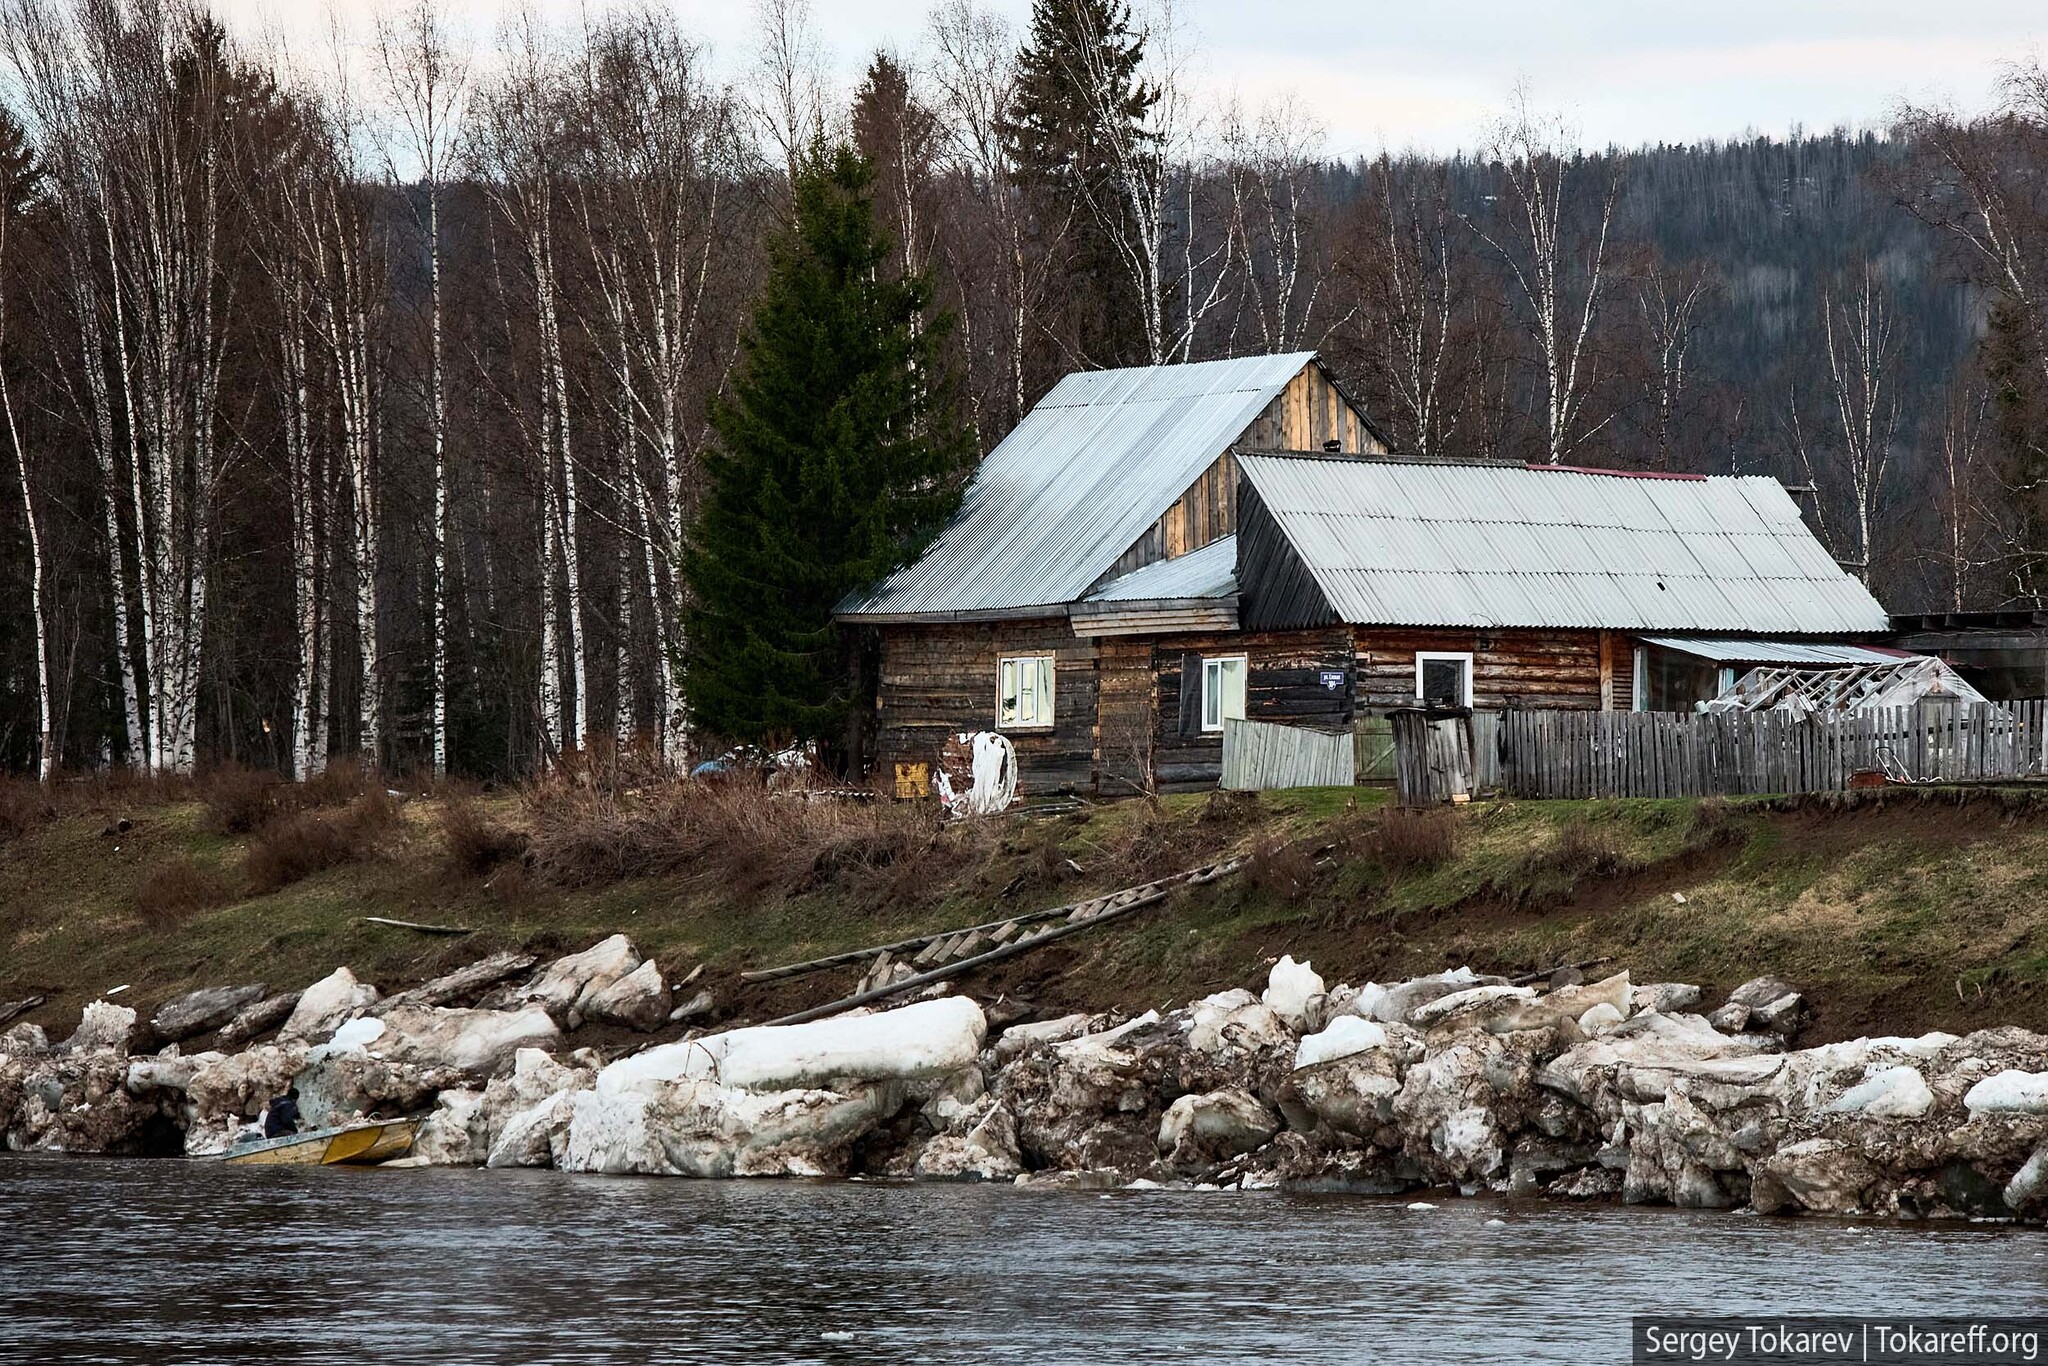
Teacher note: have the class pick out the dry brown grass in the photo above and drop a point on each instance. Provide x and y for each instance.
(1281, 868)
(296, 845)
(744, 840)
(1582, 851)
(241, 800)
(1405, 841)
(476, 844)
(172, 892)
(27, 804)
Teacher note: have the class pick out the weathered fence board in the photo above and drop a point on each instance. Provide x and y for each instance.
(1374, 736)
(1259, 755)
(1574, 754)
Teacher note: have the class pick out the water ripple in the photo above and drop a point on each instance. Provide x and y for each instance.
(169, 1262)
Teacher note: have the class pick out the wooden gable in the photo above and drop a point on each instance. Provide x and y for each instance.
(1308, 412)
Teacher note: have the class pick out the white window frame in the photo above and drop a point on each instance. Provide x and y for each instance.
(1423, 657)
(1042, 712)
(1639, 681)
(1219, 661)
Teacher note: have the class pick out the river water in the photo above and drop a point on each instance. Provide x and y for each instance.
(168, 1261)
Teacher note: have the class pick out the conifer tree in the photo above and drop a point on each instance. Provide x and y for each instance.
(1079, 99)
(839, 455)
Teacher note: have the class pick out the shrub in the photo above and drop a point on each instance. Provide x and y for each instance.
(475, 843)
(1280, 869)
(296, 846)
(240, 800)
(1582, 851)
(341, 782)
(1416, 841)
(24, 805)
(171, 892)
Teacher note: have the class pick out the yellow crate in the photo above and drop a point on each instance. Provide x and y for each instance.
(913, 780)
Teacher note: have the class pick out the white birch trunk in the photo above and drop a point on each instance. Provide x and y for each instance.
(46, 755)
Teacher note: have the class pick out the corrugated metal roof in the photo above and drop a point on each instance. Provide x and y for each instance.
(1091, 466)
(1406, 544)
(1210, 572)
(1776, 651)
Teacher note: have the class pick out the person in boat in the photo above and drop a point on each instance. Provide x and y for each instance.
(281, 1116)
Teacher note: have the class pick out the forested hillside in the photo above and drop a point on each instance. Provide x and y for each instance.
(367, 412)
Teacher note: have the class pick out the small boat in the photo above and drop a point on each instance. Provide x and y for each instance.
(374, 1140)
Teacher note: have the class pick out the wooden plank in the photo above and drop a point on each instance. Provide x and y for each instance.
(1148, 894)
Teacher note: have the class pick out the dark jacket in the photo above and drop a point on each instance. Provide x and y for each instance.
(281, 1117)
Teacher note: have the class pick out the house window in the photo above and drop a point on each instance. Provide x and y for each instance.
(1443, 679)
(1639, 682)
(1222, 690)
(1024, 692)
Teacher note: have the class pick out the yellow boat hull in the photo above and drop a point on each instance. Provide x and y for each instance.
(377, 1141)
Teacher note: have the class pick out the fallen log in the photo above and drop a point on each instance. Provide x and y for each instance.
(463, 982)
(1538, 976)
(10, 1009)
(415, 925)
(1127, 901)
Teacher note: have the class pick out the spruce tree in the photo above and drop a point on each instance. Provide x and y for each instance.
(838, 456)
(1079, 94)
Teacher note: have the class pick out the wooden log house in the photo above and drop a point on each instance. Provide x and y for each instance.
(1155, 550)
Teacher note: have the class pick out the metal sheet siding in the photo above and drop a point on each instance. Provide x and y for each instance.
(1091, 466)
(1398, 544)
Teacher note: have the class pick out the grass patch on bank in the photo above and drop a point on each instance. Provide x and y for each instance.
(1897, 913)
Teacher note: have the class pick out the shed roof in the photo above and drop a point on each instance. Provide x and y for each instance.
(1210, 572)
(1400, 543)
(1092, 465)
(1794, 652)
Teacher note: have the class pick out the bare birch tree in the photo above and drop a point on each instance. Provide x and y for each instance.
(14, 195)
(43, 49)
(1846, 460)
(1861, 331)
(518, 142)
(339, 243)
(426, 77)
(1404, 273)
(1178, 277)
(1557, 260)
(1269, 173)
(135, 99)
(1671, 305)
(657, 154)
(974, 71)
(1965, 515)
(789, 78)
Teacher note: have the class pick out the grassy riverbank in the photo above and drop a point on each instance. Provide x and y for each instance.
(1898, 912)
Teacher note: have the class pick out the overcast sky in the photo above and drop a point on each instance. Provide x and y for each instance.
(1433, 75)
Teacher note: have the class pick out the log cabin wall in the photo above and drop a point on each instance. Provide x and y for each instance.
(1284, 682)
(1520, 668)
(1308, 412)
(1127, 733)
(940, 680)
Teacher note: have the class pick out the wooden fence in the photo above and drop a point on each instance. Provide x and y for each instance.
(1259, 755)
(1378, 760)
(1569, 754)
